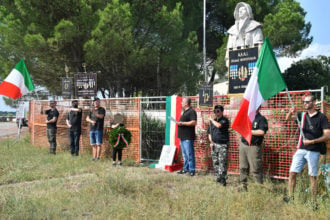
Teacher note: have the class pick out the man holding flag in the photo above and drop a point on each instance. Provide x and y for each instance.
(250, 157)
(265, 82)
(315, 133)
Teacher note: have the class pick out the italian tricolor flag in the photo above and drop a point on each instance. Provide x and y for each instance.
(17, 83)
(173, 109)
(265, 82)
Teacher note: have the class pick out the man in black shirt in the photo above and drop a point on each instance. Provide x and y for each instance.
(219, 137)
(186, 133)
(96, 120)
(73, 122)
(316, 132)
(52, 116)
(250, 157)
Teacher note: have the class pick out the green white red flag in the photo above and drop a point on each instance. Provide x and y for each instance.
(265, 82)
(17, 83)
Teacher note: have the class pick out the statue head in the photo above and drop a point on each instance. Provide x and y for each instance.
(245, 11)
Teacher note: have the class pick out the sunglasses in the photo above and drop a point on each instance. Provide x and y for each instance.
(217, 111)
(307, 102)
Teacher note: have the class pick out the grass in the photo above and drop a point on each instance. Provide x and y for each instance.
(36, 185)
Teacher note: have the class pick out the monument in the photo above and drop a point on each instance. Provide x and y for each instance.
(245, 37)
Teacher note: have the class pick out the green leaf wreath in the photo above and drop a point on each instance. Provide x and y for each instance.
(120, 137)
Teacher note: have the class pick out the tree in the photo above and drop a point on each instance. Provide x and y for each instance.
(310, 73)
(149, 45)
(140, 46)
(47, 34)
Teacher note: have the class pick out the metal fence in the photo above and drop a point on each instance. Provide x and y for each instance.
(152, 127)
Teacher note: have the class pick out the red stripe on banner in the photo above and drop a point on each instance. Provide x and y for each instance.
(10, 90)
(242, 123)
(177, 117)
(302, 126)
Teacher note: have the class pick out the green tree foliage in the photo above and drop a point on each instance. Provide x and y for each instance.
(140, 46)
(310, 73)
(287, 29)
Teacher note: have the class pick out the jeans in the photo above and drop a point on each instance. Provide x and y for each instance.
(187, 147)
(74, 142)
(51, 135)
(96, 137)
(301, 157)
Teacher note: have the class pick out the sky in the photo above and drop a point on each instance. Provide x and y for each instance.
(318, 13)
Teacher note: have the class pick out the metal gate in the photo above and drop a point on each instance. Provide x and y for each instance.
(152, 127)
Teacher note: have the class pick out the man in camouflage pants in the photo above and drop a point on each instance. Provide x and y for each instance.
(219, 138)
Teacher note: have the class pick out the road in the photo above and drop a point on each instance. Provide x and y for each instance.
(9, 129)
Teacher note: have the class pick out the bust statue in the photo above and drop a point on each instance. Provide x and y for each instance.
(245, 31)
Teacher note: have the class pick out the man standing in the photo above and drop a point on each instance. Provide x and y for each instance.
(73, 122)
(52, 116)
(186, 133)
(316, 131)
(250, 157)
(96, 120)
(219, 137)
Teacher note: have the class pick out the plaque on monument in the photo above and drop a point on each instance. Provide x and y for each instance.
(85, 84)
(206, 95)
(67, 87)
(241, 66)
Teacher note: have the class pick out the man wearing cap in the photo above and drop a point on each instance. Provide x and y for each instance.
(250, 157)
(96, 120)
(73, 122)
(52, 116)
(219, 137)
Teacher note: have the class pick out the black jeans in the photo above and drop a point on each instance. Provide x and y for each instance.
(114, 151)
(74, 142)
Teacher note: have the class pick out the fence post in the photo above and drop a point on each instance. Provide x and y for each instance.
(140, 125)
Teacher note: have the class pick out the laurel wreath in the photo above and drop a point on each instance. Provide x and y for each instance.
(120, 137)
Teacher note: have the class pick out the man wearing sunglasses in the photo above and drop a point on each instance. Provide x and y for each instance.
(219, 137)
(316, 132)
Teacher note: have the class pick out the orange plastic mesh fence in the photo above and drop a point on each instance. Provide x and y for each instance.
(279, 144)
(128, 107)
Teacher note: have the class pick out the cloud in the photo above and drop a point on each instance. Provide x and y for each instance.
(313, 50)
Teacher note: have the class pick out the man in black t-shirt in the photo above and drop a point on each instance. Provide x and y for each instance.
(316, 131)
(219, 137)
(96, 120)
(250, 157)
(73, 122)
(52, 116)
(186, 133)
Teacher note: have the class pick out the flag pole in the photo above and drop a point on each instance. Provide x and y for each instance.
(292, 106)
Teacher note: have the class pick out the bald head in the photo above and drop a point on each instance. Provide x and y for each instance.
(186, 102)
